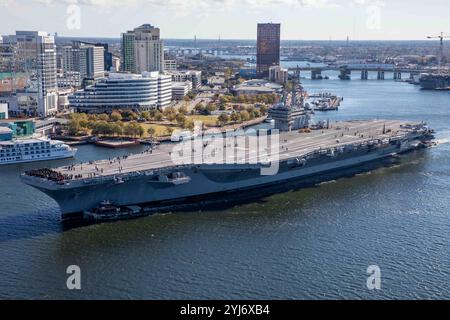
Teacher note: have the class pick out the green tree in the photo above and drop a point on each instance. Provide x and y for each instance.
(244, 115)
(145, 115)
(115, 116)
(116, 129)
(78, 116)
(152, 113)
(181, 119)
(74, 127)
(170, 113)
(263, 110)
(128, 130)
(158, 116)
(189, 124)
(235, 117)
(183, 110)
(140, 130)
(199, 107)
(211, 107)
(151, 132)
(223, 119)
(129, 115)
(169, 131)
(103, 117)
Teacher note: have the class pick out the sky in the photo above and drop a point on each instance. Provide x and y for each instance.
(232, 19)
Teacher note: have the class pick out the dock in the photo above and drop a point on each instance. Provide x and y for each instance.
(116, 143)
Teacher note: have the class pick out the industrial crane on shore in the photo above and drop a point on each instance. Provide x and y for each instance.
(441, 37)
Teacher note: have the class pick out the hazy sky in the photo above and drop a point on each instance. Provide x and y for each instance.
(231, 19)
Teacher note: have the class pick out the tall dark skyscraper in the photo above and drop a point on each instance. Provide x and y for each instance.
(267, 48)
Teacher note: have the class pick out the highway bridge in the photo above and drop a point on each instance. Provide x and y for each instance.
(364, 68)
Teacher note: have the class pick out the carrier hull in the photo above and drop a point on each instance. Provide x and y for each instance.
(211, 181)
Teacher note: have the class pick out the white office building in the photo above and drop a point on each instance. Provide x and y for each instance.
(164, 90)
(85, 58)
(181, 89)
(38, 51)
(194, 76)
(146, 91)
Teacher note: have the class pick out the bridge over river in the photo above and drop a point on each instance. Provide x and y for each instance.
(364, 68)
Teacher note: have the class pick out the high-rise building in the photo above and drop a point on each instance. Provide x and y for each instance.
(85, 58)
(107, 56)
(37, 51)
(7, 54)
(128, 52)
(143, 50)
(267, 48)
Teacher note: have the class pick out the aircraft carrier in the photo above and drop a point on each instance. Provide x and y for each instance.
(143, 183)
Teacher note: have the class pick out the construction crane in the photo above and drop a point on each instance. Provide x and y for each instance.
(441, 37)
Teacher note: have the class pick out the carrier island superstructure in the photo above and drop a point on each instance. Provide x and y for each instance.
(157, 178)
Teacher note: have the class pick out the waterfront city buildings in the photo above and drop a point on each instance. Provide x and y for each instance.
(88, 60)
(143, 50)
(37, 51)
(267, 48)
(145, 91)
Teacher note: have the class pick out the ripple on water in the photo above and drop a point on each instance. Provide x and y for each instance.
(314, 243)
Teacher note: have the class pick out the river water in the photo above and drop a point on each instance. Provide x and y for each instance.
(315, 243)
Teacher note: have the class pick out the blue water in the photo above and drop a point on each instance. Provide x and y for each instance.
(313, 243)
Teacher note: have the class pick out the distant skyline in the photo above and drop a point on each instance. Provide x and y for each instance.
(231, 19)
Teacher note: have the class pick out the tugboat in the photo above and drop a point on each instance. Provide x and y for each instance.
(270, 121)
(324, 105)
(109, 212)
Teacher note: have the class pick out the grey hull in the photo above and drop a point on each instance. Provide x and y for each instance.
(204, 180)
(162, 183)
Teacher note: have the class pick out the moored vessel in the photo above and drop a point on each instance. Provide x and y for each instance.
(435, 81)
(34, 149)
(171, 175)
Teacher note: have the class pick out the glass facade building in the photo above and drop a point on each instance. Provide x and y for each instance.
(267, 48)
